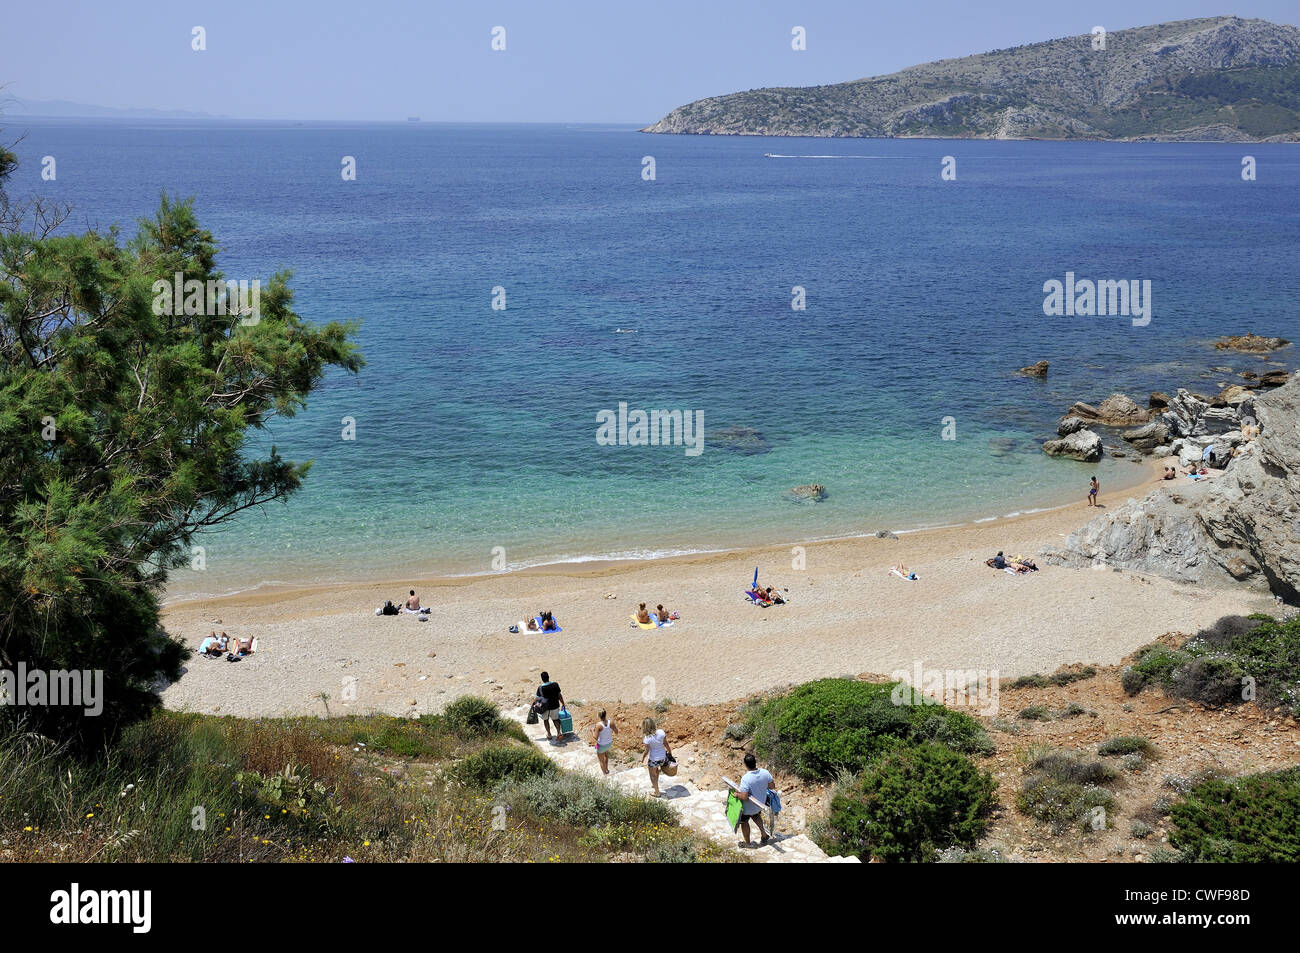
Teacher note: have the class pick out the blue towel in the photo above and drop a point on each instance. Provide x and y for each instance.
(538, 620)
(774, 801)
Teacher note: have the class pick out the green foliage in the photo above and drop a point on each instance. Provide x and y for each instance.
(840, 723)
(123, 434)
(1216, 666)
(1126, 744)
(1253, 819)
(495, 763)
(473, 717)
(1062, 789)
(914, 802)
(581, 801)
(1036, 713)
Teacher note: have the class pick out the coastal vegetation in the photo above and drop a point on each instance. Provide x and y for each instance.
(1251, 658)
(126, 430)
(1252, 819)
(182, 787)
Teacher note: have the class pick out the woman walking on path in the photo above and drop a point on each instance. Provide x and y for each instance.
(657, 750)
(605, 730)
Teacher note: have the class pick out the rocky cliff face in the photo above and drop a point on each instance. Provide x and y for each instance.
(1220, 78)
(1242, 527)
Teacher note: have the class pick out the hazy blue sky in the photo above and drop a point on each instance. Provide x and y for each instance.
(566, 60)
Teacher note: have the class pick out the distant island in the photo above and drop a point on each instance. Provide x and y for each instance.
(1218, 79)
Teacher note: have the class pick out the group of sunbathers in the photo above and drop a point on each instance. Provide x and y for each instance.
(543, 622)
(411, 607)
(215, 646)
(660, 616)
(1016, 564)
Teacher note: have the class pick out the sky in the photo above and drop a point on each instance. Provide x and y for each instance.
(564, 61)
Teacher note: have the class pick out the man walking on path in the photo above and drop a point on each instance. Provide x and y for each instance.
(549, 702)
(753, 792)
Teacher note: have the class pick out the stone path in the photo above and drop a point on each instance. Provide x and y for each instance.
(705, 811)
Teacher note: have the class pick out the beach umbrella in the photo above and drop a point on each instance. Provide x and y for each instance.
(755, 586)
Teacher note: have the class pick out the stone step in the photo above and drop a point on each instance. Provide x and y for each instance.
(704, 811)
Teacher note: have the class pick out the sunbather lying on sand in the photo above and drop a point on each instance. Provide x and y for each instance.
(901, 570)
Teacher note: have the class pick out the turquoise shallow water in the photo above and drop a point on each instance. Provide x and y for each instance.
(476, 428)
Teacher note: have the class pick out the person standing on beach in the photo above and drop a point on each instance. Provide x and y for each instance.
(549, 702)
(657, 750)
(753, 789)
(1093, 487)
(605, 730)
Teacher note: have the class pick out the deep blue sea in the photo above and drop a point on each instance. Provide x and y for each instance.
(476, 428)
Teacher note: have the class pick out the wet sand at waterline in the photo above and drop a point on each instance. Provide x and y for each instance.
(847, 614)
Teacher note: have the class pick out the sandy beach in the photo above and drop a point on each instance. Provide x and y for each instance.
(846, 615)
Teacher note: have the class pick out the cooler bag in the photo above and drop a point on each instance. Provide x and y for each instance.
(566, 721)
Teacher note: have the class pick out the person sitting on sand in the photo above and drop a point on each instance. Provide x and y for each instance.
(413, 603)
(664, 614)
(773, 595)
(548, 622)
(213, 646)
(531, 625)
(1170, 473)
(999, 561)
(642, 615)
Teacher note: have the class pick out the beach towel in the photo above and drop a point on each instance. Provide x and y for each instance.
(755, 600)
(643, 625)
(538, 620)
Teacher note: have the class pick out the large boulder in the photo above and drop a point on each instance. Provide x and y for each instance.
(1036, 370)
(1241, 528)
(1069, 425)
(1117, 410)
(1273, 378)
(1080, 445)
(1148, 436)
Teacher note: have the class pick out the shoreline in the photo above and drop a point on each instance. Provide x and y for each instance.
(1143, 471)
(322, 649)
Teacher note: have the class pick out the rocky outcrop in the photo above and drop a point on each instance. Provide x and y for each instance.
(746, 441)
(1080, 445)
(1241, 527)
(1158, 400)
(809, 492)
(1148, 436)
(1036, 370)
(1189, 416)
(1249, 343)
(1117, 410)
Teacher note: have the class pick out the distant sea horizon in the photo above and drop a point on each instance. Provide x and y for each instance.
(476, 428)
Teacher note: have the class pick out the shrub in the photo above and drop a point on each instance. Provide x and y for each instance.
(914, 802)
(839, 723)
(1154, 666)
(1030, 681)
(735, 732)
(470, 717)
(582, 801)
(1140, 829)
(1036, 713)
(1063, 804)
(1126, 744)
(1067, 766)
(1074, 710)
(1242, 820)
(1066, 676)
(1133, 762)
(496, 763)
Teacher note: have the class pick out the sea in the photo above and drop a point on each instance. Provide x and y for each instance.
(824, 311)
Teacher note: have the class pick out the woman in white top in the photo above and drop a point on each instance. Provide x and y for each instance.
(605, 730)
(656, 749)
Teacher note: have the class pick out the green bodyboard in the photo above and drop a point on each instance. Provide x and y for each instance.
(734, 806)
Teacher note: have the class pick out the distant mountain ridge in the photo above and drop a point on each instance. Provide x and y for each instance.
(62, 108)
(1219, 78)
